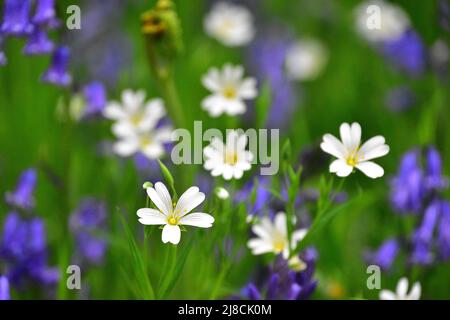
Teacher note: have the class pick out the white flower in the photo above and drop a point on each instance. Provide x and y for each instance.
(228, 160)
(393, 21)
(273, 236)
(230, 24)
(402, 291)
(305, 59)
(173, 215)
(222, 193)
(350, 154)
(228, 89)
(133, 114)
(150, 143)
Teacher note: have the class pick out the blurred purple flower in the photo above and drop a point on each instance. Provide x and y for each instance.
(22, 197)
(45, 13)
(267, 58)
(284, 283)
(4, 288)
(57, 73)
(408, 188)
(444, 14)
(16, 17)
(434, 180)
(400, 99)
(385, 255)
(95, 97)
(443, 240)
(256, 194)
(406, 52)
(38, 43)
(23, 247)
(85, 222)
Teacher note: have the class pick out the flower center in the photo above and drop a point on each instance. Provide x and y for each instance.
(173, 220)
(146, 141)
(278, 246)
(352, 159)
(136, 118)
(229, 92)
(231, 158)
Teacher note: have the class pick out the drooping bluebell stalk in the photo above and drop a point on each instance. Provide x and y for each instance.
(87, 223)
(417, 189)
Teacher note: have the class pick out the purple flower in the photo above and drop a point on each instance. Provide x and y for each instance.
(4, 288)
(85, 223)
(267, 56)
(284, 283)
(95, 97)
(256, 194)
(385, 255)
(57, 72)
(400, 99)
(407, 52)
(16, 17)
(443, 240)
(22, 197)
(3, 60)
(38, 43)
(444, 14)
(23, 247)
(407, 188)
(45, 13)
(434, 179)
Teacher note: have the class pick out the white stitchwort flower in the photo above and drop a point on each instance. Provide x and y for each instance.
(171, 215)
(377, 21)
(230, 24)
(272, 236)
(305, 59)
(229, 90)
(133, 114)
(402, 291)
(350, 154)
(228, 160)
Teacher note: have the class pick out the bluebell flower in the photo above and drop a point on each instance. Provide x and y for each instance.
(38, 42)
(408, 187)
(406, 52)
(23, 248)
(86, 223)
(434, 178)
(400, 99)
(443, 237)
(22, 197)
(267, 57)
(423, 236)
(4, 288)
(256, 194)
(16, 17)
(385, 255)
(57, 72)
(95, 97)
(284, 283)
(45, 13)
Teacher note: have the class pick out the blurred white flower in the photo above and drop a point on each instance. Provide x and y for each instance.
(305, 59)
(402, 291)
(229, 90)
(150, 142)
(272, 236)
(173, 215)
(222, 193)
(228, 160)
(350, 154)
(377, 20)
(230, 24)
(133, 114)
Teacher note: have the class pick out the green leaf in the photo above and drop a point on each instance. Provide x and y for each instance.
(140, 270)
(263, 105)
(168, 177)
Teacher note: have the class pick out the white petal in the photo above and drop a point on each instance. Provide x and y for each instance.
(248, 90)
(156, 199)
(372, 143)
(402, 288)
(126, 147)
(341, 168)
(261, 231)
(212, 80)
(123, 129)
(298, 235)
(415, 291)
(280, 222)
(164, 195)
(189, 200)
(153, 151)
(114, 111)
(356, 135)
(370, 169)
(171, 234)
(346, 135)
(259, 246)
(197, 219)
(227, 173)
(373, 148)
(234, 107)
(163, 134)
(333, 146)
(387, 295)
(151, 217)
(214, 104)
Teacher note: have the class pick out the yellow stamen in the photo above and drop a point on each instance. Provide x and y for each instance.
(172, 220)
(231, 158)
(229, 92)
(278, 246)
(145, 141)
(352, 159)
